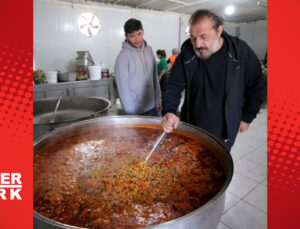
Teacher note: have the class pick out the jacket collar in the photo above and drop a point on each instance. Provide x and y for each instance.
(232, 45)
(233, 66)
(127, 45)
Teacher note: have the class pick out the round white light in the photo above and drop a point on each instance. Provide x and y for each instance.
(229, 10)
(88, 24)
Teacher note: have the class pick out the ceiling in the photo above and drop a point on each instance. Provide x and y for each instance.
(245, 10)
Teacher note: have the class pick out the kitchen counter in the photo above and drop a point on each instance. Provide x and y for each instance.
(94, 88)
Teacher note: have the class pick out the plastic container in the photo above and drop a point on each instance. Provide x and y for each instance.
(51, 76)
(104, 73)
(95, 72)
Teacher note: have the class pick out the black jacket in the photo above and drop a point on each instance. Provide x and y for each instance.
(244, 89)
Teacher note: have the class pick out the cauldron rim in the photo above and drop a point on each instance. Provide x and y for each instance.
(199, 210)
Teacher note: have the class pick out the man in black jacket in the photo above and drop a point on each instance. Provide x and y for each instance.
(222, 78)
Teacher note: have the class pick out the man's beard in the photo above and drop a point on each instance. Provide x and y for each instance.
(203, 56)
(134, 45)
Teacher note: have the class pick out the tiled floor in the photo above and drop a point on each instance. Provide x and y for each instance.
(246, 196)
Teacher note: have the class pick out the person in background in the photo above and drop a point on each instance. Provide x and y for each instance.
(135, 70)
(162, 70)
(222, 78)
(172, 58)
(162, 66)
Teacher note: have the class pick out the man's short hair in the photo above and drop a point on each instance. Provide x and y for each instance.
(132, 25)
(174, 51)
(201, 13)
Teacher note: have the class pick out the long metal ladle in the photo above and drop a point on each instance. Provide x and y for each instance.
(56, 107)
(161, 138)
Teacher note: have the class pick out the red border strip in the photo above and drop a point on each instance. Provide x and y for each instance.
(16, 55)
(283, 115)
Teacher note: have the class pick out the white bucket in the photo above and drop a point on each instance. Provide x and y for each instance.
(95, 72)
(51, 76)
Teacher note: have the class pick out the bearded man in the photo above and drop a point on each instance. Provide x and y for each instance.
(222, 78)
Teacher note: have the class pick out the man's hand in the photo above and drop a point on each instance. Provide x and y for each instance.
(158, 106)
(170, 122)
(243, 126)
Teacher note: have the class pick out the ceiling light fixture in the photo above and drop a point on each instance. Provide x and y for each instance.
(229, 10)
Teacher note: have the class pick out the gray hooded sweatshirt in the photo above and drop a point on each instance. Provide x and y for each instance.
(136, 78)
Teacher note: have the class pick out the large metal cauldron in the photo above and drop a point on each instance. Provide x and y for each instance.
(206, 217)
(70, 109)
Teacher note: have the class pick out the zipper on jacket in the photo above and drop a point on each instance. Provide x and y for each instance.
(229, 54)
(188, 61)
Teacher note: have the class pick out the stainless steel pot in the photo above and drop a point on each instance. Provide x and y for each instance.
(71, 109)
(206, 217)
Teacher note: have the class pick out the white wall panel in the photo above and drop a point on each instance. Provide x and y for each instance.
(255, 34)
(57, 38)
(184, 25)
(260, 39)
(114, 32)
(230, 28)
(161, 29)
(247, 32)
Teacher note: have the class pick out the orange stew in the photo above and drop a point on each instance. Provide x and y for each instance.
(99, 179)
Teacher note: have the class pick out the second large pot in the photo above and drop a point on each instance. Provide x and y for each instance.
(70, 109)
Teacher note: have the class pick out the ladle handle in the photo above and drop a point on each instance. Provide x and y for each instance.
(156, 145)
(56, 107)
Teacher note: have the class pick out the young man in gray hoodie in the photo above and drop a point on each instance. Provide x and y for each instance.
(135, 71)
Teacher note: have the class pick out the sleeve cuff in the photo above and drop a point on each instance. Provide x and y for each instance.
(163, 112)
(248, 117)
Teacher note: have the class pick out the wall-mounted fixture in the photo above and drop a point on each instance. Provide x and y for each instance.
(262, 3)
(88, 24)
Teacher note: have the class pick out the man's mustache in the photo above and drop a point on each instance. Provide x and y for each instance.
(202, 48)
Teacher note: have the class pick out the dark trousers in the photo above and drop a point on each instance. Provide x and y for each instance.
(152, 112)
(228, 146)
(227, 143)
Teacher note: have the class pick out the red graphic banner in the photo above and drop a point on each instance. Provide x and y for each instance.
(16, 87)
(283, 115)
